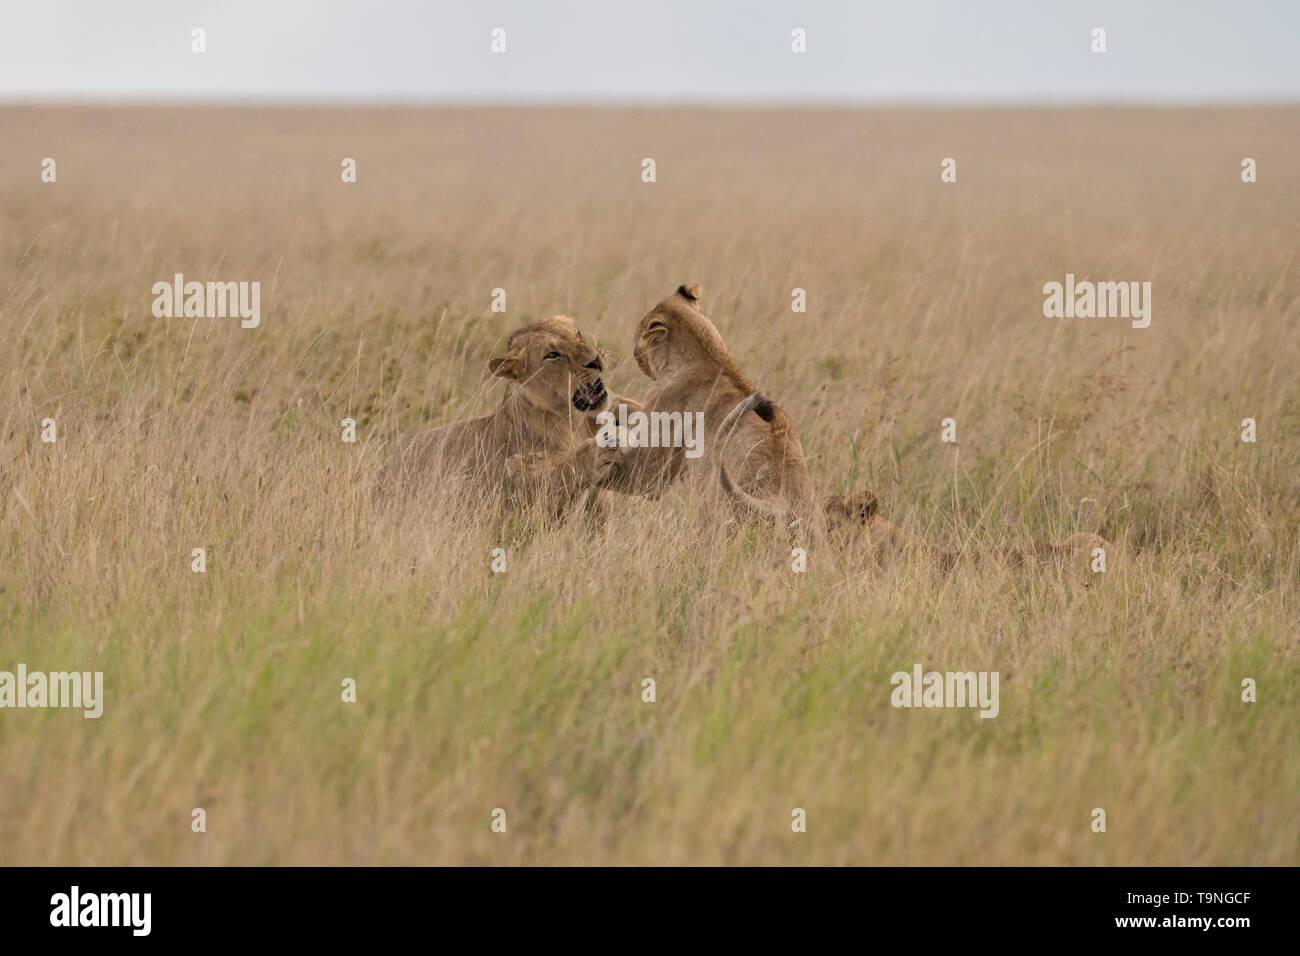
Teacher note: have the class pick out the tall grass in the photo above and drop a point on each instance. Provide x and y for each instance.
(523, 690)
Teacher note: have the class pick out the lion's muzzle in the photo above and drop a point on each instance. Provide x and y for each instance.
(589, 396)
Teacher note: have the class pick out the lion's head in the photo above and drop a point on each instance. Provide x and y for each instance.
(676, 333)
(555, 366)
(855, 509)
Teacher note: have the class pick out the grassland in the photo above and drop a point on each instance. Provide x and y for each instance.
(523, 690)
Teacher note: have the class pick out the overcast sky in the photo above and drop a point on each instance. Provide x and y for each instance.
(653, 51)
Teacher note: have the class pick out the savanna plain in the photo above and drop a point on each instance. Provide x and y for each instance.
(523, 690)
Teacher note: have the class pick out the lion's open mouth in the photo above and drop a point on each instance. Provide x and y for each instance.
(590, 396)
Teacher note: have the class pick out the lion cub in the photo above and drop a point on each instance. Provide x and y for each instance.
(755, 460)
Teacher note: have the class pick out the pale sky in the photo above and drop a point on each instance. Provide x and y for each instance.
(653, 51)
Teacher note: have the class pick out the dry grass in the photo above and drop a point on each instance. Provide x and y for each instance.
(522, 690)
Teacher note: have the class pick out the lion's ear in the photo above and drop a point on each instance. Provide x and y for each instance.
(510, 365)
(655, 332)
(858, 507)
(862, 506)
(692, 293)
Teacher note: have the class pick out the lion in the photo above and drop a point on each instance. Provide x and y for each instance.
(755, 459)
(529, 448)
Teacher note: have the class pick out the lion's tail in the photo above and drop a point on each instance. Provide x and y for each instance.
(766, 410)
(757, 403)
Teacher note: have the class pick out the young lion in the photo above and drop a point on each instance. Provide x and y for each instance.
(524, 449)
(757, 458)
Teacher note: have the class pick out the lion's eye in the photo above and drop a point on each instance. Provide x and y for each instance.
(552, 355)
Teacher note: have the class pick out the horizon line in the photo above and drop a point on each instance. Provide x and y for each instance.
(381, 101)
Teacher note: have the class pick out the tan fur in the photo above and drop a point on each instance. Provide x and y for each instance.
(523, 449)
(751, 451)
